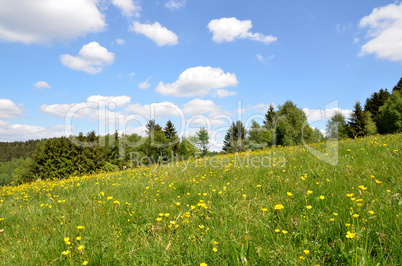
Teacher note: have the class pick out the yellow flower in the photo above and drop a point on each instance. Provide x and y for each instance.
(161, 214)
(102, 193)
(309, 207)
(347, 225)
(284, 232)
(215, 249)
(80, 227)
(109, 198)
(80, 247)
(66, 252)
(278, 207)
(258, 185)
(362, 187)
(192, 207)
(216, 243)
(310, 192)
(167, 214)
(264, 209)
(335, 214)
(178, 203)
(371, 212)
(289, 194)
(172, 222)
(78, 238)
(378, 181)
(277, 230)
(116, 202)
(203, 264)
(201, 226)
(159, 219)
(350, 235)
(302, 258)
(306, 251)
(66, 239)
(355, 215)
(349, 195)
(331, 219)
(322, 197)
(85, 262)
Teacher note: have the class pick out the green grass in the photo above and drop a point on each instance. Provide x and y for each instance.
(229, 207)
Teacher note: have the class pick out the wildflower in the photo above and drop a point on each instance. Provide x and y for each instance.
(278, 207)
(349, 195)
(289, 194)
(172, 222)
(371, 212)
(347, 225)
(167, 214)
(178, 203)
(203, 264)
(161, 214)
(66, 239)
(388, 190)
(159, 219)
(350, 235)
(378, 181)
(310, 192)
(309, 207)
(85, 262)
(80, 227)
(80, 247)
(302, 258)
(264, 209)
(277, 230)
(362, 187)
(244, 195)
(322, 197)
(355, 215)
(306, 251)
(335, 214)
(201, 226)
(258, 185)
(109, 198)
(65, 253)
(215, 249)
(192, 207)
(284, 232)
(78, 238)
(331, 219)
(216, 243)
(116, 202)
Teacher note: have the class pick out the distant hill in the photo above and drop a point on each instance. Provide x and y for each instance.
(18, 149)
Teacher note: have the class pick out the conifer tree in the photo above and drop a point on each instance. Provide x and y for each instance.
(398, 87)
(356, 124)
(269, 121)
(235, 139)
(203, 140)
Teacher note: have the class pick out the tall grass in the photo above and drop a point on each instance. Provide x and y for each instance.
(225, 210)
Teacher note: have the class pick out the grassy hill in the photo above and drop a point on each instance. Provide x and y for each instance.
(278, 206)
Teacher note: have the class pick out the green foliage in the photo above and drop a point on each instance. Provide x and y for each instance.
(235, 138)
(171, 136)
(203, 140)
(356, 124)
(187, 148)
(373, 105)
(18, 149)
(12, 171)
(337, 127)
(370, 128)
(391, 113)
(398, 87)
(270, 117)
(259, 137)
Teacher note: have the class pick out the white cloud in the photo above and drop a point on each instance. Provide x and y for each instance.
(229, 29)
(260, 58)
(44, 21)
(144, 85)
(87, 108)
(18, 132)
(42, 84)
(158, 109)
(318, 115)
(91, 59)
(221, 93)
(198, 81)
(156, 32)
(119, 41)
(8, 109)
(128, 7)
(260, 108)
(385, 32)
(175, 4)
(201, 107)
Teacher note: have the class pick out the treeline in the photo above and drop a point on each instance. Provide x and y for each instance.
(18, 149)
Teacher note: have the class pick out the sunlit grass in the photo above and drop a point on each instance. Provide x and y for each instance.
(228, 211)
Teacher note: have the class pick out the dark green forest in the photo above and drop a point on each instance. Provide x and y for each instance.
(287, 126)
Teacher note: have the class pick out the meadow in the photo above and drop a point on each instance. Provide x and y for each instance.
(280, 205)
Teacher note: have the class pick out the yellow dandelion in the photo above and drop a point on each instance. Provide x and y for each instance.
(302, 258)
(284, 232)
(277, 230)
(159, 219)
(215, 249)
(371, 212)
(347, 225)
(65, 253)
(289, 194)
(322, 197)
(167, 214)
(78, 238)
(306, 251)
(80, 227)
(278, 207)
(116, 202)
(109, 198)
(201, 226)
(378, 181)
(362, 187)
(310, 192)
(350, 235)
(85, 262)
(178, 203)
(309, 207)
(355, 215)
(264, 209)
(349, 195)
(80, 247)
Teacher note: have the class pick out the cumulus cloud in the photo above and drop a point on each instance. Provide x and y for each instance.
(128, 7)
(385, 32)
(18, 132)
(156, 32)
(198, 81)
(229, 29)
(221, 93)
(156, 109)
(175, 4)
(8, 109)
(318, 115)
(91, 58)
(44, 21)
(119, 41)
(42, 84)
(144, 85)
(88, 108)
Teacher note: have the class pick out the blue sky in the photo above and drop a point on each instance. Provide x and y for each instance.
(210, 60)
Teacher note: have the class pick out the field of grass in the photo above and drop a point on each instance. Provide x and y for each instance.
(278, 206)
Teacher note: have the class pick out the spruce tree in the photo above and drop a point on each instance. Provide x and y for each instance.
(398, 87)
(203, 140)
(269, 121)
(373, 104)
(171, 135)
(356, 124)
(235, 139)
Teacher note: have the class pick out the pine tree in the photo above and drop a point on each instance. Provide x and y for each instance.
(171, 136)
(235, 139)
(203, 140)
(269, 121)
(398, 87)
(356, 124)
(152, 127)
(373, 105)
